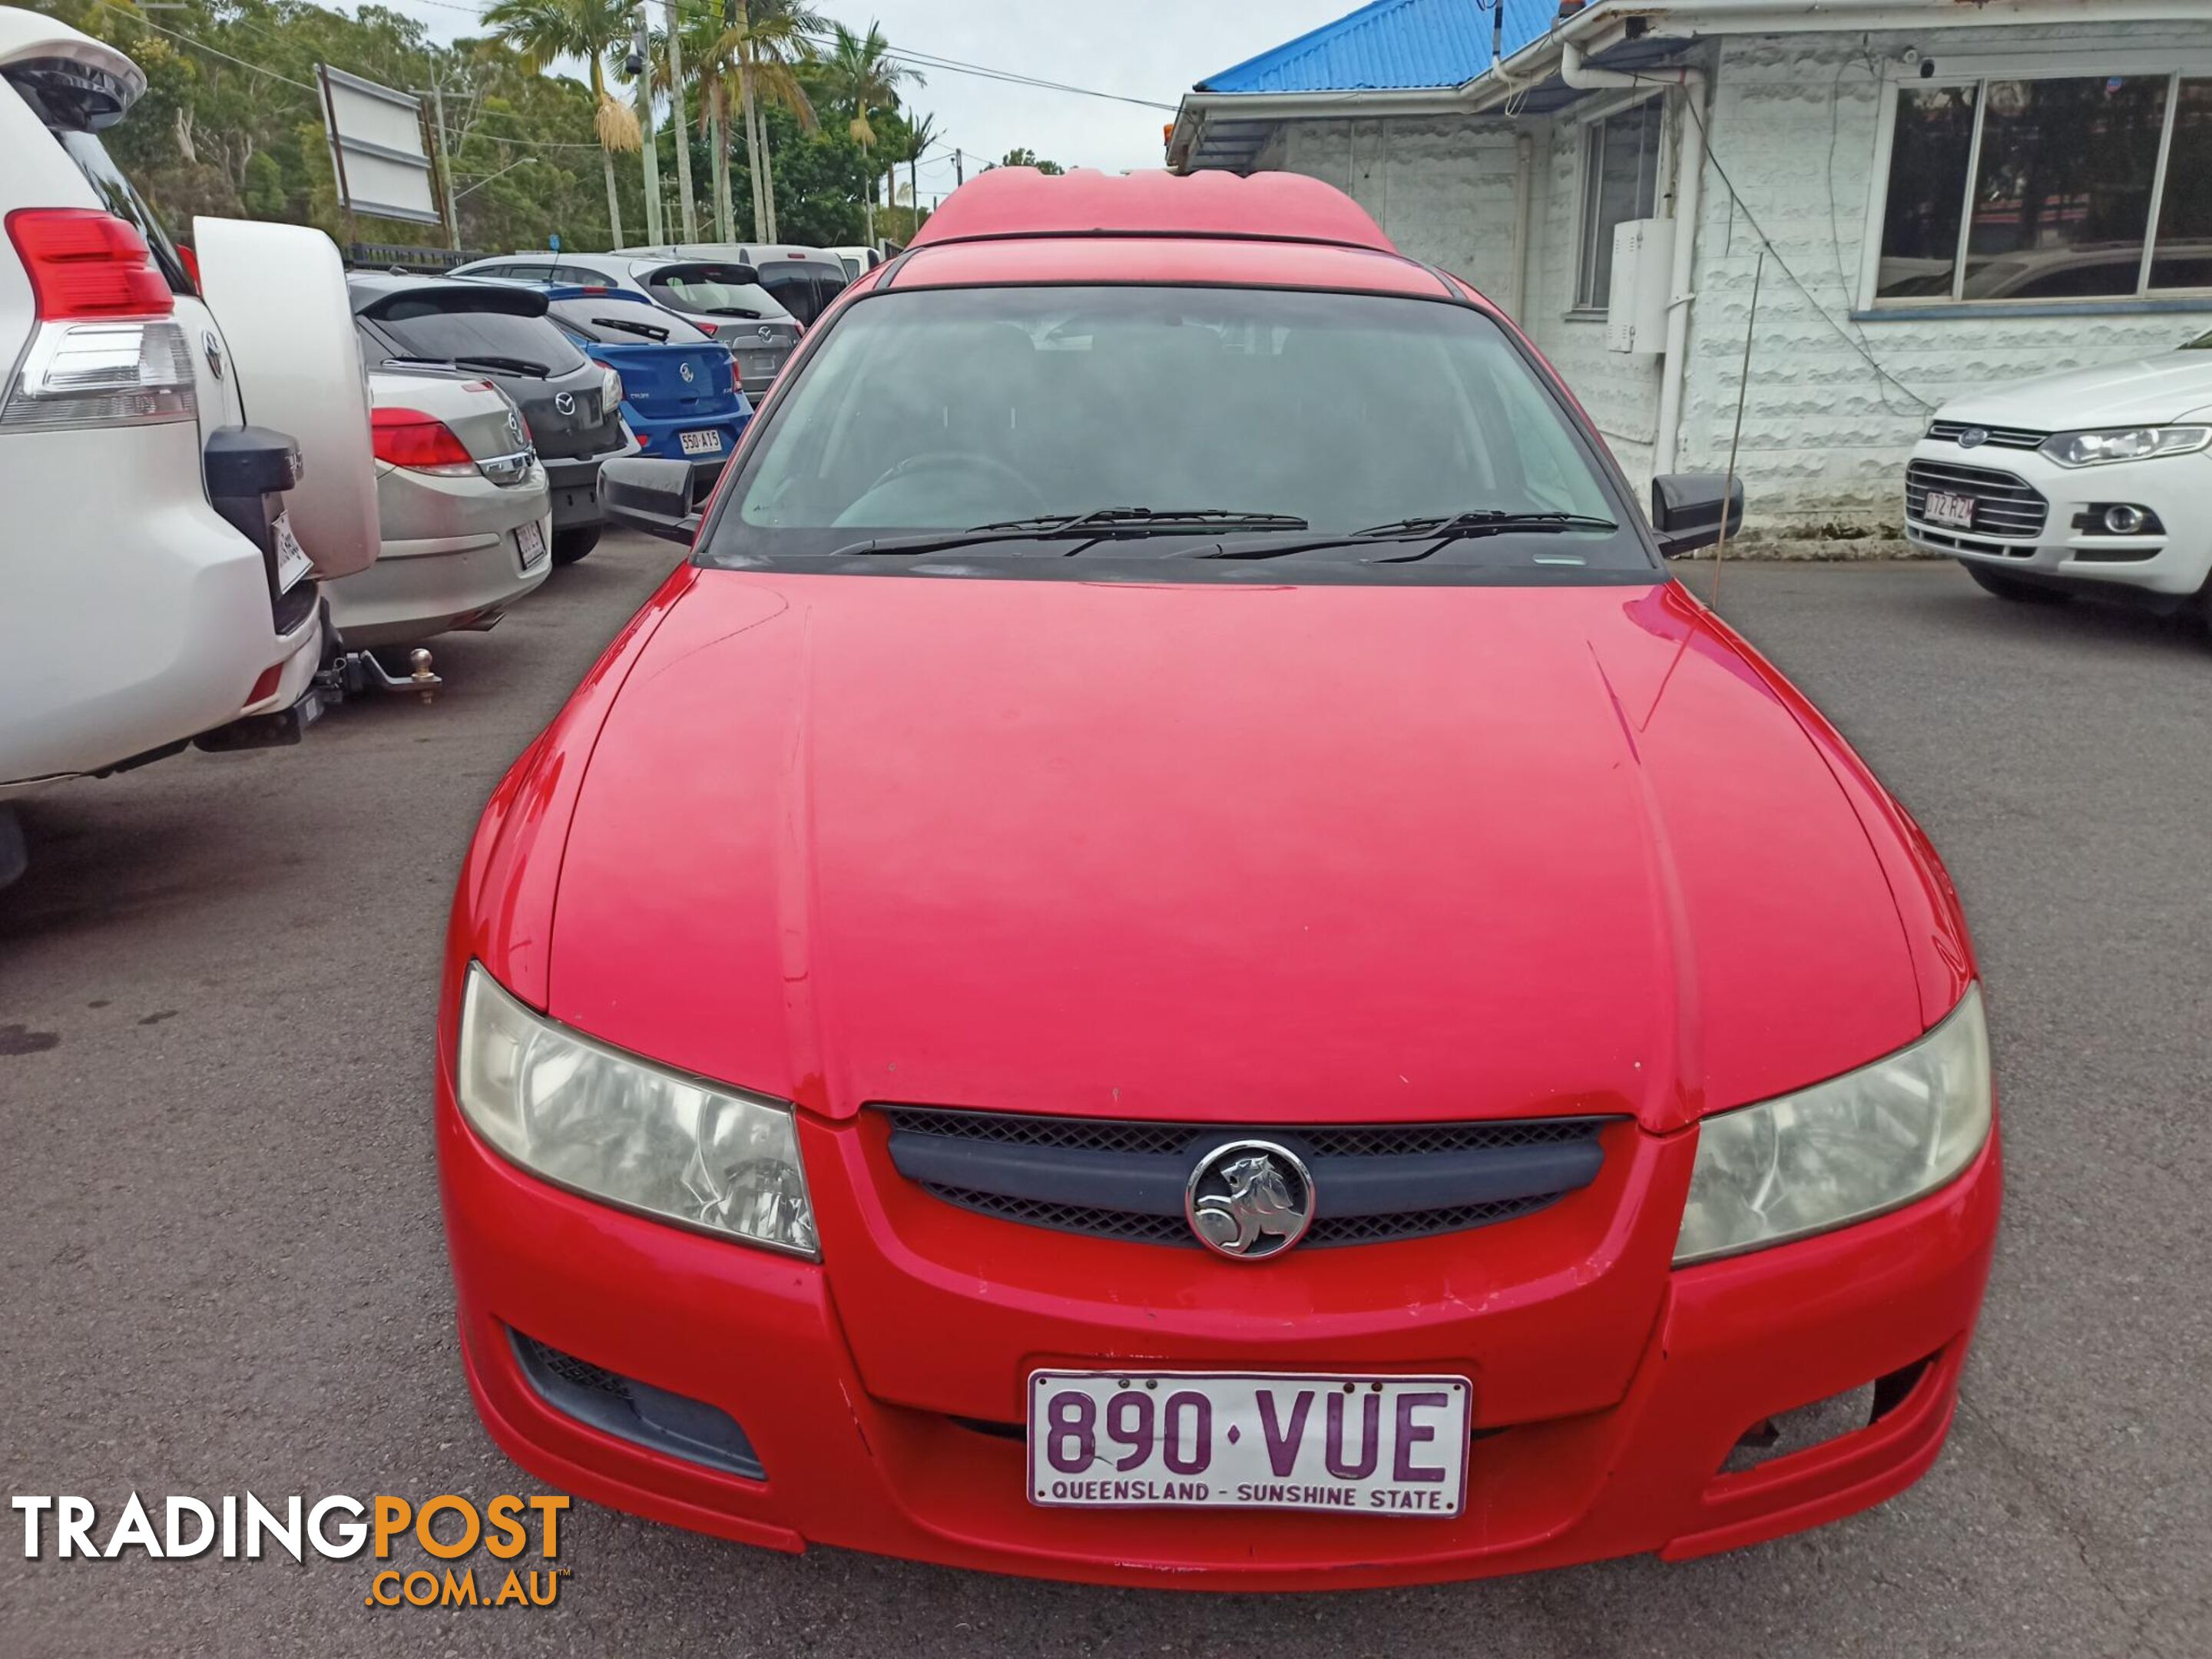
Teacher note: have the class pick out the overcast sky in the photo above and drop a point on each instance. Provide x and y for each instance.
(1152, 49)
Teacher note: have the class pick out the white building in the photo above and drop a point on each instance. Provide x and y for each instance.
(1947, 192)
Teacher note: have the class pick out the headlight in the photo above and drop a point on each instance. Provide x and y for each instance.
(615, 1128)
(1842, 1150)
(2131, 443)
(610, 388)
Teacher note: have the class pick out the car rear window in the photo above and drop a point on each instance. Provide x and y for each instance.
(444, 327)
(626, 322)
(966, 409)
(74, 102)
(802, 287)
(716, 291)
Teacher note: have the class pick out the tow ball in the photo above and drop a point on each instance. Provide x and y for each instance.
(356, 673)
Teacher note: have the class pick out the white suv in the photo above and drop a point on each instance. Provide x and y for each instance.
(153, 589)
(2089, 479)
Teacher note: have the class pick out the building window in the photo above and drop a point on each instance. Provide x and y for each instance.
(1621, 182)
(2063, 188)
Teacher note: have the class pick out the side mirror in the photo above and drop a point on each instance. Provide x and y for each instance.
(1691, 510)
(654, 496)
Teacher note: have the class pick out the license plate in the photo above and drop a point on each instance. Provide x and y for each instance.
(701, 443)
(292, 560)
(759, 365)
(530, 542)
(1945, 508)
(1364, 1445)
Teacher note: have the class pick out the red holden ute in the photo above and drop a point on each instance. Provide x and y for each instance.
(1172, 958)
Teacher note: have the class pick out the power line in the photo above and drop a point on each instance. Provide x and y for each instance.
(1847, 336)
(213, 52)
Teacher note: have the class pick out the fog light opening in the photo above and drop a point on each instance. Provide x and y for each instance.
(2124, 520)
(1801, 1430)
(671, 1424)
(1824, 1420)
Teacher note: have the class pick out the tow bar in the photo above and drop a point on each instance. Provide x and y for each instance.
(354, 673)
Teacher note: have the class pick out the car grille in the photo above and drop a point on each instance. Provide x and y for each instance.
(2003, 505)
(1130, 1174)
(2000, 437)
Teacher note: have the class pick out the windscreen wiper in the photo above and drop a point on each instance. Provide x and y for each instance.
(1482, 522)
(1437, 531)
(505, 365)
(1116, 523)
(658, 336)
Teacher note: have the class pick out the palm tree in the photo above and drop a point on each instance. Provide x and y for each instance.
(920, 134)
(761, 40)
(863, 76)
(543, 31)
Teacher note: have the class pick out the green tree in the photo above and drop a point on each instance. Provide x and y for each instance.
(765, 41)
(1028, 158)
(544, 30)
(863, 79)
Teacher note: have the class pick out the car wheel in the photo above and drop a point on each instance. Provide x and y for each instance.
(571, 545)
(2024, 589)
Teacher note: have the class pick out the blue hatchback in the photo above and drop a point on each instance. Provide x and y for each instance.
(681, 395)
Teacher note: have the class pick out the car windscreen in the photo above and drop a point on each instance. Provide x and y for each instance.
(626, 322)
(716, 291)
(1343, 416)
(445, 328)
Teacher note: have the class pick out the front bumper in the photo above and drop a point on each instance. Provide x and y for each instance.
(764, 1339)
(2176, 489)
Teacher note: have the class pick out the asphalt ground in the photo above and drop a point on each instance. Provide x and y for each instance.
(222, 1267)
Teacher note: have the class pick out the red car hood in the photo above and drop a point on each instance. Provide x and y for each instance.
(1225, 853)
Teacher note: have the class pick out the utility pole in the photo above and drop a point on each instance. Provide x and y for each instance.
(639, 44)
(445, 162)
(959, 169)
(683, 129)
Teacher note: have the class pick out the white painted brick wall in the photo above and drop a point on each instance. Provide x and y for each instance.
(1793, 123)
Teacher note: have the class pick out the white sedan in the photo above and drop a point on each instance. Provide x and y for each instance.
(2091, 478)
(461, 499)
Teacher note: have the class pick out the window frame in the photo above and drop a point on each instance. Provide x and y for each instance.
(1593, 124)
(1977, 72)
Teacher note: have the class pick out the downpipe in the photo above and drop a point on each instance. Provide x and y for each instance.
(1689, 189)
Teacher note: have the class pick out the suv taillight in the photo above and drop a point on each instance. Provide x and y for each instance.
(84, 264)
(106, 351)
(420, 442)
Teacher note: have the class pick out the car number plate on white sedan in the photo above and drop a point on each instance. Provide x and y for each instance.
(529, 542)
(1945, 508)
(1365, 1445)
(292, 560)
(701, 443)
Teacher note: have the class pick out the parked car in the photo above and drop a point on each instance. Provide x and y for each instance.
(2086, 480)
(717, 294)
(1173, 915)
(572, 406)
(462, 499)
(682, 398)
(856, 260)
(802, 280)
(161, 560)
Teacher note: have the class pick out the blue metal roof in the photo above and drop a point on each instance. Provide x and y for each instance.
(1391, 44)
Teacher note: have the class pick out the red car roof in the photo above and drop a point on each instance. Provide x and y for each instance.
(1224, 260)
(1008, 202)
